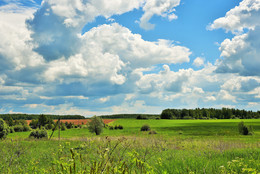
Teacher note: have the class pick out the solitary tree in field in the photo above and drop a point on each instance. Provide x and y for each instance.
(96, 125)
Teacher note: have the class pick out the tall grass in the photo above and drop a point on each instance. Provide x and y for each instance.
(181, 146)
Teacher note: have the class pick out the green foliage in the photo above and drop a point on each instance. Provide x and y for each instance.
(44, 120)
(69, 125)
(118, 116)
(21, 128)
(4, 129)
(49, 126)
(200, 149)
(36, 116)
(145, 127)
(34, 123)
(11, 130)
(166, 114)
(9, 120)
(38, 133)
(211, 113)
(238, 165)
(63, 126)
(243, 129)
(20, 122)
(108, 157)
(118, 127)
(142, 117)
(96, 125)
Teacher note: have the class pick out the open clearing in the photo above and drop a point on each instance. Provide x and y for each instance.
(180, 146)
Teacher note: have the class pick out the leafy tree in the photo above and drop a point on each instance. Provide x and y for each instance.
(3, 129)
(34, 124)
(9, 120)
(96, 125)
(166, 114)
(43, 120)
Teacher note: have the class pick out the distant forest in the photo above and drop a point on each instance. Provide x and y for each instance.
(141, 116)
(198, 113)
(211, 113)
(36, 116)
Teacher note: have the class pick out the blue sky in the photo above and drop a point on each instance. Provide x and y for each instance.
(94, 57)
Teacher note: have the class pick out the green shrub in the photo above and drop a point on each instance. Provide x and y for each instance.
(39, 133)
(63, 127)
(120, 127)
(152, 132)
(69, 125)
(49, 126)
(142, 117)
(4, 129)
(96, 125)
(34, 124)
(18, 128)
(26, 128)
(11, 130)
(243, 129)
(111, 127)
(145, 127)
(187, 118)
(21, 128)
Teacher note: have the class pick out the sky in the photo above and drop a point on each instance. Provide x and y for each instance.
(98, 57)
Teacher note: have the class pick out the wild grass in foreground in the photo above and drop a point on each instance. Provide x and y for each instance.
(180, 146)
(151, 154)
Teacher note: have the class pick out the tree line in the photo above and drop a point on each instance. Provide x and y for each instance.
(36, 116)
(117, 116)
(208, 113)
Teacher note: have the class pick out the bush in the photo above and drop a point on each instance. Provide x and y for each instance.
(152, 132)
(21, 128)
(111, 127)
(34, 124)
(49, 126)
(120, 127)
(145, 127)
(69, 125)
(63, 127)
(187, 118)
(26, 128)
(4, 129)
(39, 133)
(142, 117)
(243, 129)
(18, 128)
(11, 130)
(96, 125)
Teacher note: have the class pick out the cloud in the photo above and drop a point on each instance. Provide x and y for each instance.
(164, 8)
(241, 53)
(198, 62)
(110, 54)
(246, 15)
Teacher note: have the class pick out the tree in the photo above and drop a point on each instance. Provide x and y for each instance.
(9, 121)
(96, 125)
(166, 114)
(43, 120)
(3, 129)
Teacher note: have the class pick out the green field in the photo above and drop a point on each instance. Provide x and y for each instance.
(180, 146)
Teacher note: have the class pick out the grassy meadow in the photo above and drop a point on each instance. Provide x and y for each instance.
(180, 146)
